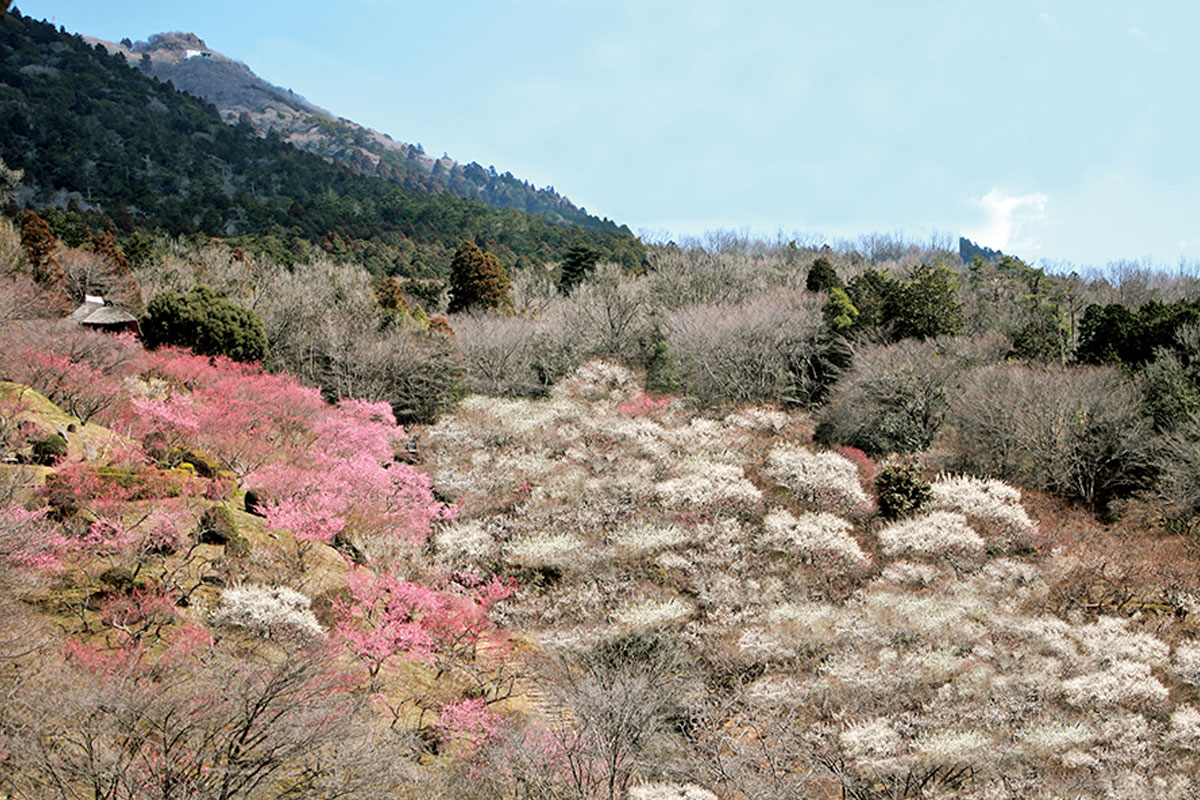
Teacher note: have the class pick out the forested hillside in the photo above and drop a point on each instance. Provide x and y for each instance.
(242, 97)
(94, 134)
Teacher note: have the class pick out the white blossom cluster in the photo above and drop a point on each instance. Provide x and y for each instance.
(954, 747)
(670, 791)
(1186, 664)
(826, 480)
(267, 611)
(871, 740)
(942, 533)
(469, 541)
(1121, 683)
(1056, 736)
(946, 655)
(820, 539)
(547, 549)
(596, 381)
(759, 420)
(991, 500)
(1185, 727)
(648, 538)
(653, 613)
(708, 486)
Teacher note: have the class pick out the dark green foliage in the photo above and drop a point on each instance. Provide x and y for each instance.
(577, 264)
(120, 580)
(923, 306)
(1041, 337)
(426, 292)
(204, 464)
(869, 292)
(49, 450)
(822, 277)
(1114, 334)
(1109, 335)
(1170, 383)
(926, 305)
(660, 371)
(138, 249)
(477, 280)
(210, 325)
(901, 490)
(83, 121)
(217, 526)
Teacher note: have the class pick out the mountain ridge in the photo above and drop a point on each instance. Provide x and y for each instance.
(243, 98)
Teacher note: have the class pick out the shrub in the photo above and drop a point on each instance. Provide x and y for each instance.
(48, 451)
(253, 502)
(942, 533)
(822, 539)
(514, 356)
(208, 324)
(894, 400)
(901, 491)
(577, 264)
(217, 526)
(1080, 433)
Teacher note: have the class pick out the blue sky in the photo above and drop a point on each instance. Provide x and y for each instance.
(1062, 132)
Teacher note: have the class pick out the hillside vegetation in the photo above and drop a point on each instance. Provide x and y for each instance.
(122, 151)
(560, 515)
(757, 551)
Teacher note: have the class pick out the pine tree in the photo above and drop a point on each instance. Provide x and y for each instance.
(822, 277)
(577, 264)
(477, 280)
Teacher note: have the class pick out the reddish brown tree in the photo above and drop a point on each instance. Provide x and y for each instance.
(40, 245)
(478, 280)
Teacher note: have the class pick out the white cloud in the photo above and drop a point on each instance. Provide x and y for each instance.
(1005, 215)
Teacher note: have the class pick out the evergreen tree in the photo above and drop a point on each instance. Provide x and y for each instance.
(577, 264)
(840, 313)
(207, 323)
(822, 277)
(926, 305)
(477, 280)
(39, 245)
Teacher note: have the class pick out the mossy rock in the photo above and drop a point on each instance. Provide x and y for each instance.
(256, 502)
(217, 526)
(204, 465)
(48, 451)
(118, 579)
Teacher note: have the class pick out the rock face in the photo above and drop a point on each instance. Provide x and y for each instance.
(243, 98)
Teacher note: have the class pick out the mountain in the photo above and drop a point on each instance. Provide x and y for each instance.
(97, 136)
(968, 251)
(242, 97)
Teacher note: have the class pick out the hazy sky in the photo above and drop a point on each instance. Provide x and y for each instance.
(1056, 131)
